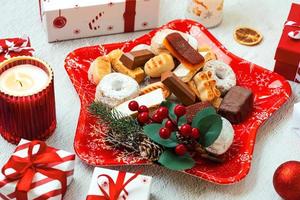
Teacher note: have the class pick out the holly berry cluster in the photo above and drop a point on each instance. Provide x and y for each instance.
(143, 116)
(171, 125)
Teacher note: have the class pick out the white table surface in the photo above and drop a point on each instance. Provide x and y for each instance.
(276, 143)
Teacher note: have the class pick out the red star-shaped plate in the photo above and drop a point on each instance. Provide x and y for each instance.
(271, 91)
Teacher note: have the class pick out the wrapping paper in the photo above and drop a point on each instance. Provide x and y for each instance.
(12, 47)
(42, 187)
(137, 189)
(70, 19)
(288, 51)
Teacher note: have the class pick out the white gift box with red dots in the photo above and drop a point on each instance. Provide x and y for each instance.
(70, 19)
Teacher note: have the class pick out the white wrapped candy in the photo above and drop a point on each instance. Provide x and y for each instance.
(116, 88)
(224, 141)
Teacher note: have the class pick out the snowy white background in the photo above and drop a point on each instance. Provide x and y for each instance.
(277, 140)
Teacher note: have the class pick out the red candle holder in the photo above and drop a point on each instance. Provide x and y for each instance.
(30, 117)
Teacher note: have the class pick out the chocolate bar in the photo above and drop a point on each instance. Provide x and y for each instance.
(237, 104)
(183, 51)
(135, 59)
(178, 88)
(192, 110)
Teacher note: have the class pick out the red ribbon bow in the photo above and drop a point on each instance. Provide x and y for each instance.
(26, 168)
(15, 46)
(115, 189)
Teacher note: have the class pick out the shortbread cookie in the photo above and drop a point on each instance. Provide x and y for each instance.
(206, 86)
(155, 86)
(222, 73)
(115, 55)
(116, 88)
(98, 69)
(193, 88)
(138, 74)
(159, 64)
(207, 53)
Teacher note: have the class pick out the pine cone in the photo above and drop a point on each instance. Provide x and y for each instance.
(149, 149)
(185, 140)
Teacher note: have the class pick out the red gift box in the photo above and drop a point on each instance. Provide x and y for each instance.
(288, 51)
(12, 47)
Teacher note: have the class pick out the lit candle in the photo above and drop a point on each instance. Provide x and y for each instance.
(27, 102)
(23, 80)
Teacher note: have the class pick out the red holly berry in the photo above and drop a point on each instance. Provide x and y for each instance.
(133, 106)
(195, 133)
(143, 117)
(157, 118)
(179, 110)
(169, 124)
(180, 149)
(185, 130)
(163, 112)
(143, 109)
(164, 133)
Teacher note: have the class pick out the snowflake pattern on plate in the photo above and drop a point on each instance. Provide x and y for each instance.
(271, 91)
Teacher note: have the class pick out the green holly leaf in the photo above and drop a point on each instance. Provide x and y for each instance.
(152, 131)
(170, 105)
(173, 161)
(182, 120)
(202, 114)
(210, 128)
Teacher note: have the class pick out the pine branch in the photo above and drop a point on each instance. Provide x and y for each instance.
(124, 131)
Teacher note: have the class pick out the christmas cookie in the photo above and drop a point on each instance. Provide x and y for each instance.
(206, 86)
(138, 73)
(116, 88)
(224, 141)
(159, 64)
(222, 73)
(98, 69)
(237, 104)
(115, 55)
(183, 51)
(135, 59)
(207, 53)
(155, 86)
(178, 88)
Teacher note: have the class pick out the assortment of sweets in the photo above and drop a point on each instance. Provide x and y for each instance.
(172, 100)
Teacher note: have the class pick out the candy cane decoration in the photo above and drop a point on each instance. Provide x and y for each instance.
(294, 34)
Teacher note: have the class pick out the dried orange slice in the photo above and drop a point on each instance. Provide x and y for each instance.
(247, 36)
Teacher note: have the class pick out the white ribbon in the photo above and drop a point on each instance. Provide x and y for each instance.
(292, 23)
(11, 47)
